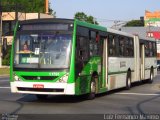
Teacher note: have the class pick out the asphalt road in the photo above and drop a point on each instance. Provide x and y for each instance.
(141, 99)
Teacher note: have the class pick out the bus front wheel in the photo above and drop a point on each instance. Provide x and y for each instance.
(92, 93)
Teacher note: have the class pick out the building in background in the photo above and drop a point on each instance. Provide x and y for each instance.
(152, 18)
(146, 32)
(150, 30)
(9, 19)
(9, 14)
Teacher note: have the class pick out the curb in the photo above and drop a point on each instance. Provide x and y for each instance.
(4, 67)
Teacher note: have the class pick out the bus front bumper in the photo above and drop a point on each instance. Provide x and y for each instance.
(43, 88)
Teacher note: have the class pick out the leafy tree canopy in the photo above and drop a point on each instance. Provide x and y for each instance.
(25, 6)
(134, 23)
(83, 17)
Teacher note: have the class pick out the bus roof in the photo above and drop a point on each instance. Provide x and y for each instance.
(81, 23)
(46, 20)
(148, 39)
(119, 32)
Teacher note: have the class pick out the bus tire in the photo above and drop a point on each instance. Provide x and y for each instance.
(128, 80)
(91, 95)
(151, 76)
(41, 97)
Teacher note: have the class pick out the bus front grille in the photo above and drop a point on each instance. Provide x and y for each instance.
(40, 89)
(39, 77)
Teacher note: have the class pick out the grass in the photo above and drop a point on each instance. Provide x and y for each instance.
(4, 71)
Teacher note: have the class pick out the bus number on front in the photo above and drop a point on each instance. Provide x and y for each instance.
(54, 74)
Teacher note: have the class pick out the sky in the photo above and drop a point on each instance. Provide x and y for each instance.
(105, 10)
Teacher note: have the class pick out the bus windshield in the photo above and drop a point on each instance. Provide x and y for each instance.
(42, 51)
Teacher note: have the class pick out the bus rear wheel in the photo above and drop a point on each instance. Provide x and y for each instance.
(41, 97)
(128, 80)
(151, 76)
(92, 93)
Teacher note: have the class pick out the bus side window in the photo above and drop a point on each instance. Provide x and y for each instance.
(82, 49)
(146, 49)
(154, 49)
(126, 53)
(129, 47)
(94, 45)
(121, 46)
(150, 49)
(112, 45)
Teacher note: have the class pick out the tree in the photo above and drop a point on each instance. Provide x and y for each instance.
(51, 11)
(83, 17)
(25, 6)
(134, 23)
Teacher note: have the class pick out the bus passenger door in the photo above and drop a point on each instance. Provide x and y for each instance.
(142, 61)
(105, 63)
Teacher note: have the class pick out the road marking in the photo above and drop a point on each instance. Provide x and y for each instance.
(5, 87)
(143, 94)
(4, 80)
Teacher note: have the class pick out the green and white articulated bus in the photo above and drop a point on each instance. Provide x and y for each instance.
(71, 57)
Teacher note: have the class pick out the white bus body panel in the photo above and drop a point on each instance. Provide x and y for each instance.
(69, 89)
(117, 69)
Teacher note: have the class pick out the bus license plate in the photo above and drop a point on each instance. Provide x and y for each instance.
(38, 86)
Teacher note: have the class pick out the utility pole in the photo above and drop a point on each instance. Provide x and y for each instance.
(46, 6)
(116, 23)
(0, 34)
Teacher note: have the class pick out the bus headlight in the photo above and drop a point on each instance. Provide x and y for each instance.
(16, 78)
(63, 79)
